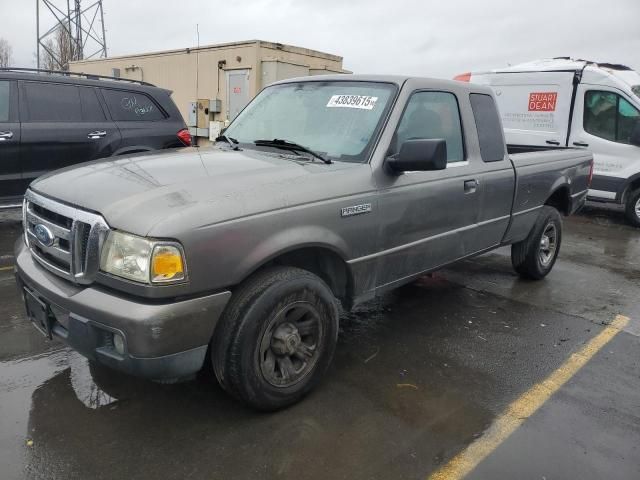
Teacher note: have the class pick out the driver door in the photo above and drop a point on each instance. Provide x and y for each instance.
(427, 218)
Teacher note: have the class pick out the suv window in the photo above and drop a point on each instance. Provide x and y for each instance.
(131, 106)
(607, 115)
(4, 101)
(485, 114)
(91, 108)
(431, 115)
(52, 102)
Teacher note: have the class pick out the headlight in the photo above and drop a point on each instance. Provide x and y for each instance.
(142, 260)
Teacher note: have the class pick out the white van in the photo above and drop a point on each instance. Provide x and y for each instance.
(576, 103)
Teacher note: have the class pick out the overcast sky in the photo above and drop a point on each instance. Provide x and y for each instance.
(430, 38)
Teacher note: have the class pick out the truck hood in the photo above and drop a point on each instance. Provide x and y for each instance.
(143, 193)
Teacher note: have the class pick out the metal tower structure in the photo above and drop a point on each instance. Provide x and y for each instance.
(73, 30)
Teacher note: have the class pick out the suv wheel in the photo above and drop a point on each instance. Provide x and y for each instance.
(276, 338)
(632, 208)
(535, 256)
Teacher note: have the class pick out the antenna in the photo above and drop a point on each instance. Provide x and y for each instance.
(73, 30)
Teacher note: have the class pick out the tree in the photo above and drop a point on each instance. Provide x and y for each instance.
(5, 53)
(58, 51)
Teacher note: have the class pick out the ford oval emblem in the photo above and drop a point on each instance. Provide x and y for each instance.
(43, 234)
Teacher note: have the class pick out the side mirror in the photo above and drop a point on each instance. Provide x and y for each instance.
(635, 135)
(420, 155)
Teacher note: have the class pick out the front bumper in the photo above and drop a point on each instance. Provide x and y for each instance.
(162, 339)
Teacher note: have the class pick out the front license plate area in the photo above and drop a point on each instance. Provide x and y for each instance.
(38, 312)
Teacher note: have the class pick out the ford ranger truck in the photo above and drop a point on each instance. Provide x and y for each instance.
(323, 193)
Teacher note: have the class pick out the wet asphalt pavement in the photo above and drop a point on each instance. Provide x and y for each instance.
(418, 376)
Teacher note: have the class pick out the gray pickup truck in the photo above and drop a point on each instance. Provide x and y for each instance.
(324, 191)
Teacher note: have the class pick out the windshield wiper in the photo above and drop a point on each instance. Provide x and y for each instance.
(285, 145)
(230, 140)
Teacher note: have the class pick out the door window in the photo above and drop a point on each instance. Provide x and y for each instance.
(607, 115)
(432, 115)
(52, 102)
(131, 106)
(4, 101)
(91, 108)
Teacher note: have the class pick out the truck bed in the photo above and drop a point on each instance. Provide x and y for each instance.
(514, 149)
(539, 174)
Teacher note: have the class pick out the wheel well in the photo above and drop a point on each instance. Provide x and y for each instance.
(324, 263)
(632, 187)
(560, 200)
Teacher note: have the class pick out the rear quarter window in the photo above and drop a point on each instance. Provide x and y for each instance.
(490, 136)
(132, 106)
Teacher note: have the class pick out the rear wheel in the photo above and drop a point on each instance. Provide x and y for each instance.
(276, 338)
(535, 256)
(632, 208)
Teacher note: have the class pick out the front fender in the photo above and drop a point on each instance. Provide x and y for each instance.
(288, 240)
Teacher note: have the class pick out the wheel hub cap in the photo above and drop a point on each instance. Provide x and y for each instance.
(286, 339)
(548, 244)
(290, 344)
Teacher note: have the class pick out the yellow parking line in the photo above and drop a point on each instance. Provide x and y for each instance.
(2, 269)
(525, 406)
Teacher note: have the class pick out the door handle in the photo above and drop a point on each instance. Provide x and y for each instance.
(97, 134)
(470, 186)
(4, 136)
(580, 144)
(553, 142)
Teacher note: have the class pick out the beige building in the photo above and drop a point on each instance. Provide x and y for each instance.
(211, 84)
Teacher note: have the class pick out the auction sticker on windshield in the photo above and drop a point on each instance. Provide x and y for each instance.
(363, 102)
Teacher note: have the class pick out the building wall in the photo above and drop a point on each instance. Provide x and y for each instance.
(193, 73)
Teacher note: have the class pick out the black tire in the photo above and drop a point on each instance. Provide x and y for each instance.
(632, 208)
(259, 330)
(529, 257)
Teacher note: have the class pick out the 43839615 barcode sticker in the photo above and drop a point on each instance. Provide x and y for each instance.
(363, 102)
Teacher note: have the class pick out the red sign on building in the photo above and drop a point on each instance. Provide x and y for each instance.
(543, 101)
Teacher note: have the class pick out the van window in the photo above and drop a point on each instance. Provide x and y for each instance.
(4, 101)
(432, 115)
(52, 102)
(131, 106)
(490, 137)
(607, 115)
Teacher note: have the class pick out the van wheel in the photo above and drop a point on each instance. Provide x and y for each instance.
(632, 208)
(276, 338)
(535, 256)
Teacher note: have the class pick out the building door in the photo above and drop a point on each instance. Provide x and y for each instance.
(237, 92)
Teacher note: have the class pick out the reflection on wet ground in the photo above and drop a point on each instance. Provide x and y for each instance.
(418, 374)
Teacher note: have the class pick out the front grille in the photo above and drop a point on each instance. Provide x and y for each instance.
(53, 217)
(63, 239)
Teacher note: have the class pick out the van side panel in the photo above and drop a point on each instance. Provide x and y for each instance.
(534, 106)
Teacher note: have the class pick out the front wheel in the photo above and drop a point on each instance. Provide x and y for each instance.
(632, 208)
(535, 256)
(276, 338)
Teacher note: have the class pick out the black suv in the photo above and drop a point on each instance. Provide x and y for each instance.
(49, 120)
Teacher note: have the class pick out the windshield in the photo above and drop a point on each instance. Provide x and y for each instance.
(636, 90)
(339, 120)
